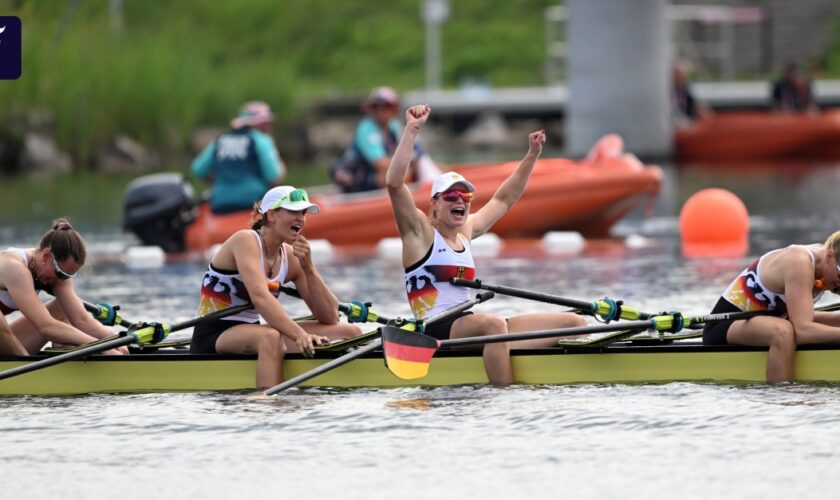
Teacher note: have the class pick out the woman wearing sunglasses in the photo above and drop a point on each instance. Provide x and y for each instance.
(436, 248)
(787, 281)
(273, 250)
(24, 273)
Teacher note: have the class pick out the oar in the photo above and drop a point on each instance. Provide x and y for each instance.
(606, 309)
(356, 311)
(135, 334)
(408, 356)
(101, 313)
(335, 363)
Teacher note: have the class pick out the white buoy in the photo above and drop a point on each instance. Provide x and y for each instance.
(389, 247)
(149, 257)
(486, 245)
(637, 241)
(563, 242)
(321, 249)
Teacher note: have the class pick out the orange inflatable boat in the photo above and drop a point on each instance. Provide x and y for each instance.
(587, 196)
(756, 135)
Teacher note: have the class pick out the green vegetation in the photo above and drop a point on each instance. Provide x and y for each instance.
(173, 66)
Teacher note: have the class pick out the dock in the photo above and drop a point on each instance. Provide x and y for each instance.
(551, 101)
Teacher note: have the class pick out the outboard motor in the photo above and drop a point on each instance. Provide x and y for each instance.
(158, 208)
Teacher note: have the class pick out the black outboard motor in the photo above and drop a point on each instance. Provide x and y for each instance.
(158, 208)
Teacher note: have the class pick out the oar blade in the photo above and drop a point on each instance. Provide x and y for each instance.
(408, 354)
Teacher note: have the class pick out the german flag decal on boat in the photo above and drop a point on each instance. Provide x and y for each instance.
(407, 354)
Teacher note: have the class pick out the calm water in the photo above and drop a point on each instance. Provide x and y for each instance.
(591, 441)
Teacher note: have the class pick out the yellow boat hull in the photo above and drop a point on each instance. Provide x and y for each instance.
(649, 364)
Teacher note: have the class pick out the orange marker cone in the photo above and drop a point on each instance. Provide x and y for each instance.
(714, 223)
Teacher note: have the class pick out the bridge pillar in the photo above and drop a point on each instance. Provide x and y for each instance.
(618, 75)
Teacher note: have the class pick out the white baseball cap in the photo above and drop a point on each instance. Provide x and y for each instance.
(448, 179)
(288, 197)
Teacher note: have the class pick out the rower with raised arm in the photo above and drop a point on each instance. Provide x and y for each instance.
(273, 250)
(436, 248)
(51, 267)
(789, 281)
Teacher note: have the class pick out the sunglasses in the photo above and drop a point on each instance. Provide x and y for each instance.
(382, 105)
(60, 272)
(455, 195)
(294, 197)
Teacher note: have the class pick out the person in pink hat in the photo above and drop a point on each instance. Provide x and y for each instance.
(436, 248)
(273, 250)
(363, 165)
(243, 163)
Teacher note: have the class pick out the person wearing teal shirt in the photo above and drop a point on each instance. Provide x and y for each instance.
(243, 163)
(363, 165)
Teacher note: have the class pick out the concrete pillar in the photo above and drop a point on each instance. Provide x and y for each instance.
(618, 75)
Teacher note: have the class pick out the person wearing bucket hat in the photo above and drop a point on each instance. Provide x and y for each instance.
(274, 250)
(436, 248)
(243, 162)
(363, 165)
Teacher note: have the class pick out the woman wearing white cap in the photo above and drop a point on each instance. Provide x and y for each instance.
(272, 250)
(436, 248)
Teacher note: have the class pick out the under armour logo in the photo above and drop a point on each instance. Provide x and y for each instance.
(10, 51)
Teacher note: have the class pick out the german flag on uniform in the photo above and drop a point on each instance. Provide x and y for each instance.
(408, 354)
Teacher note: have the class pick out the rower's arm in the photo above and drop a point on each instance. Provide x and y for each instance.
(9, 344)
(20, 286)
(510, 190)
(409, 218)
(799, 284)
(246, 254)
(308, 282)
(76, 313)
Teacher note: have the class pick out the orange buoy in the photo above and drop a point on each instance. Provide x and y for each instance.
(714, 223)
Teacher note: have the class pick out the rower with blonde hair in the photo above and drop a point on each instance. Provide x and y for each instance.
(436, 248)
(787, 281)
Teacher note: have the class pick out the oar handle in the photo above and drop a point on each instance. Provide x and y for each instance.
(356, 311)
(606, 309)
(229, 311)
(481, 297)
(101, 312)
(541, 334)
